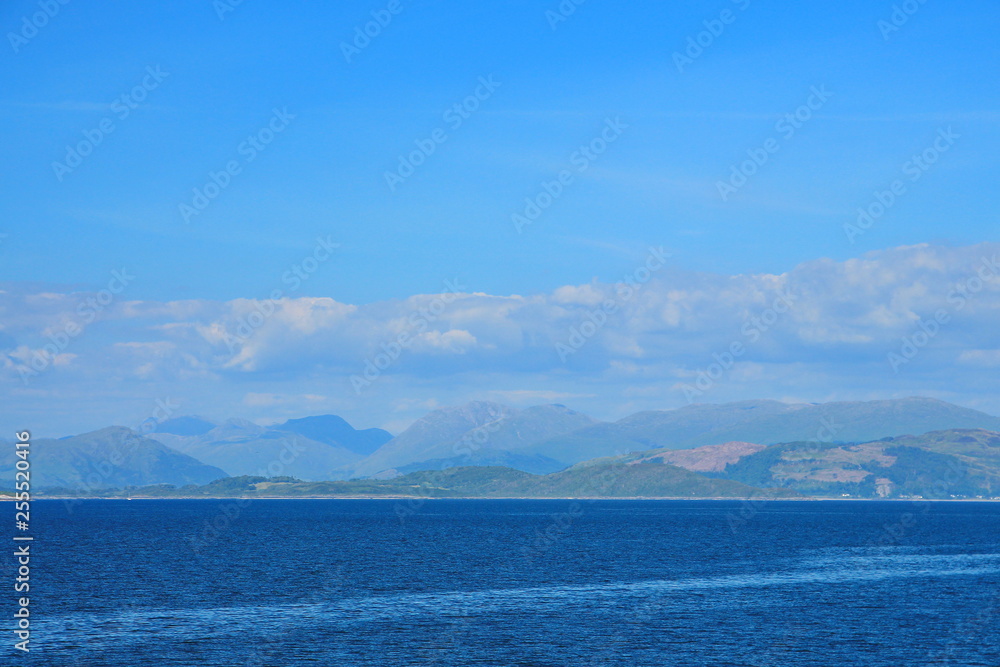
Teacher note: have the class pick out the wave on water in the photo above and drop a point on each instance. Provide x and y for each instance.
(118, 627)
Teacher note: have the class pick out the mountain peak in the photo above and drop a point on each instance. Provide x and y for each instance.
(334, 430)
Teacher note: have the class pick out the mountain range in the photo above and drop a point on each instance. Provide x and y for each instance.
(323, 447)
(856, 448)
(487, 433)
(764, 422)
(958, 463)
(476, 434)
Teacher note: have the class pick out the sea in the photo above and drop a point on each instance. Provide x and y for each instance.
(511, 582)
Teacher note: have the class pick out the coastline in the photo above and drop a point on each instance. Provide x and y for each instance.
(559, 498)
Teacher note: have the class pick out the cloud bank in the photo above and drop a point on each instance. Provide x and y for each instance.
(910, 320)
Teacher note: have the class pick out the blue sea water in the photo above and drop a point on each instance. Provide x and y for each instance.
(512, 582)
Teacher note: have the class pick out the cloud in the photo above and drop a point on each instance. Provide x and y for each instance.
(824, 326)
(534, 396)
(989, 358)
(258, 400)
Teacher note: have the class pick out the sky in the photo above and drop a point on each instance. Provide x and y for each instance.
(239, 206)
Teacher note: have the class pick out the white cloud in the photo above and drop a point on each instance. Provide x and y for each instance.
(845, 318)
(533, 396)
(257, 400)
(990, 358)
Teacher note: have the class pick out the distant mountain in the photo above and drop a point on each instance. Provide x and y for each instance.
(333, 430)
(764, 422)
(957, 463)
(241, 447)
(185, 426)
(113, 457)
(426, 437)
(478, 432)
(940, 464)
(722, 441)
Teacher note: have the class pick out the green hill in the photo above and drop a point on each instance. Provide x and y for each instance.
(608, 478)
(940, 464)
(113, 457)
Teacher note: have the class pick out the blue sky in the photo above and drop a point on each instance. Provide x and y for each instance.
(323, 175)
